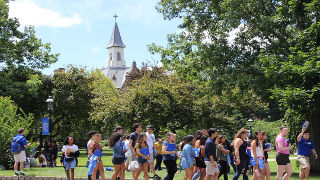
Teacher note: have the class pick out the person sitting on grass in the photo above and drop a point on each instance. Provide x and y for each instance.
(70, 152)
(116, 143)
(142, 151)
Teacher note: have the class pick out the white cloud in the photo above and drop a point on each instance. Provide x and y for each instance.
(95, 49)
(29, 13)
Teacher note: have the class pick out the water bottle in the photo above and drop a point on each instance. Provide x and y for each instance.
(305, 124)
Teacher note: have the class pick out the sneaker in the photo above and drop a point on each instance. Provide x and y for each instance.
(16, 174)
(22, 174)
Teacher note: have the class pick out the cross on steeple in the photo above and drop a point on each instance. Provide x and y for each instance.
(115, 17)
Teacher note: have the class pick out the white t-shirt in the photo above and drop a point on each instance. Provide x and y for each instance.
(150, 140)
(88, 146)
(126, 143)
(72, 148)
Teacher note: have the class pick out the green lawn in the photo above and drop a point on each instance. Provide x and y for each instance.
(81, 170)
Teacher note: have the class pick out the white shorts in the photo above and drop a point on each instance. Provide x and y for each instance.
(210, 169)
(129, 158)
(151, 157)
(21, 157)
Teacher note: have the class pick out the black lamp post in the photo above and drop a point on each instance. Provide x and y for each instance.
(50, 102)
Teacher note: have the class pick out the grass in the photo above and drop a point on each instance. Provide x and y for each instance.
(81, 170)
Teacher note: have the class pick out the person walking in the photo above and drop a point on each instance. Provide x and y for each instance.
(305, 146)
(19, 143)
(91, 133)
(187, 156)
(257, 155)
(283, 152)
(151, 140)
(222, 159)
(242, 158)
(266, 148)
(170, 155)
(96, 149)
(200, 166)
(210, 158)
(54, 153)
(143, 153)
(69, 155)
(116, 144)
(132, 143)
(158, 148)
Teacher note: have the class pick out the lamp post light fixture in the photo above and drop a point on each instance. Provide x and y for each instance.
(50, 102)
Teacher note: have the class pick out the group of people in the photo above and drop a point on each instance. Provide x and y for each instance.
(205, 155)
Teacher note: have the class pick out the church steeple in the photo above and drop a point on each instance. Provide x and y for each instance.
(116, 48)
(116, 40)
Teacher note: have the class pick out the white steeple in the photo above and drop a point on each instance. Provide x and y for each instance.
(116, 48)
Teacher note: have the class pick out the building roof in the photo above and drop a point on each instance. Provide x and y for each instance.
(116, 40)
(117, 75)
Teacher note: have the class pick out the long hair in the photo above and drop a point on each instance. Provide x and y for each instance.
(219, 140)
(256, 137)
(168, 135)
(199, 134)
(140, 141)
(66, 141)
(114, 138)
(187, 140)
(240, 133)
(203, 140)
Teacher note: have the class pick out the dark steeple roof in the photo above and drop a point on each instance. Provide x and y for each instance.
(116, 40)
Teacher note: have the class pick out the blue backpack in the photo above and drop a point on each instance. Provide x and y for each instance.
(15, 145)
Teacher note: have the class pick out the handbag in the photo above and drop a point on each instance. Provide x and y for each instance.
(133, 165)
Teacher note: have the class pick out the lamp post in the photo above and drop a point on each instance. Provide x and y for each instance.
(50, 102)
(250, 121)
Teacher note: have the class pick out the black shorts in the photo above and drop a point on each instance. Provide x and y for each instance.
(142, 161)
(118, 160)
(282, 159)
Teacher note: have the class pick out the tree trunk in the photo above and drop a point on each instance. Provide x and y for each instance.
(315, 135)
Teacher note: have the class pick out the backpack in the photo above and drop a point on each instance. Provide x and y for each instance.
(15, 145)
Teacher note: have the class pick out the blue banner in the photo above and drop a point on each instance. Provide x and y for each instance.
(45, 126)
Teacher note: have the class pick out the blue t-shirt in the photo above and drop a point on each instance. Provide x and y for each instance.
(170, 147)
(210, 150)
(134, 137)
(304, 147)
(22, 141)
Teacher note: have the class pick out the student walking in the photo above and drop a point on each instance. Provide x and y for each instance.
(158, 148)
(116, 144)
(19, 143)
(242, 157)
(283, 152)
(170, 155)
(187, 156)
(151, 140)
(210, 158)
(70, 152)
(91, 133)
(257, 155)
(143, 153)
(200, 166)
(222, 159)
(131, 154)
(95, 152)
(305, 146)
(266, 148)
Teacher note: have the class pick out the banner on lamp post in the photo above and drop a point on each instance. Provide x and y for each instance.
(45, 126)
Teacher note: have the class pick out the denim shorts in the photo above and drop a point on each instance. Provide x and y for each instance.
(118, 160)
(68, 165)
(142, 161)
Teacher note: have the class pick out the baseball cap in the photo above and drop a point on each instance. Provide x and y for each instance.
(118, 128)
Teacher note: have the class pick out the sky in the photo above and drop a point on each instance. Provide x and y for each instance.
(80, 30)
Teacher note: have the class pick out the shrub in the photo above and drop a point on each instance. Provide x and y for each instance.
(11, 118)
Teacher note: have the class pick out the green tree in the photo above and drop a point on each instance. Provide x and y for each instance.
(274, 51)
(11, 118)
(22, 56)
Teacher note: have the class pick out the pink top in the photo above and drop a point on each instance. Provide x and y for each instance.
(284, 143)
